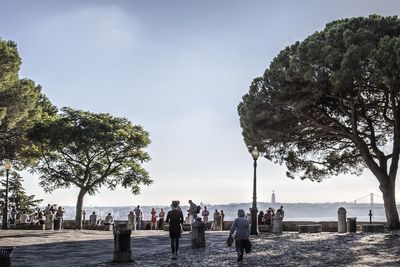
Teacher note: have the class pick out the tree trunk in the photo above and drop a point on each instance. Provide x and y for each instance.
(389, 199)
(79, 204)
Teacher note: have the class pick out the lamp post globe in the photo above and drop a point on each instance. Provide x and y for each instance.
(255, 153)
(254, 223)
(7, 167)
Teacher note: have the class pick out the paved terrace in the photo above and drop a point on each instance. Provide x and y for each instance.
(151, 248)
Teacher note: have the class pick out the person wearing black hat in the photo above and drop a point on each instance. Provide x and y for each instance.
(175, 219)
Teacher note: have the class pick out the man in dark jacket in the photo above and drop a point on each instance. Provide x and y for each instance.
(175, 219)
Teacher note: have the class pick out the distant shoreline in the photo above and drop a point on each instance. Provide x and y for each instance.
(293, 211)
(229, 204)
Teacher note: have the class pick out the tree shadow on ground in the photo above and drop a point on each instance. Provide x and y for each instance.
(268, 250)
(98, 252)
(26, 235)
(306, 250)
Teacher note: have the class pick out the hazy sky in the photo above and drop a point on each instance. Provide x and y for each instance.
(179, 68)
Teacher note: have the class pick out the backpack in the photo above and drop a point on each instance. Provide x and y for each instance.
(198, 208)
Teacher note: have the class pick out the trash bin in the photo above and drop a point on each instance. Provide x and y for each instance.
(352, 224)
(122, 244)
(5, 256)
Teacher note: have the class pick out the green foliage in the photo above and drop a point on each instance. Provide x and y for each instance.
(330, 104)
(21, 105)
(17, 195)
(90, 151)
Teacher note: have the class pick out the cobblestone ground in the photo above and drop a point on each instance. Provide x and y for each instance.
(151, 248)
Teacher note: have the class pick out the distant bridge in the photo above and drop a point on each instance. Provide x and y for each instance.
(371, 199)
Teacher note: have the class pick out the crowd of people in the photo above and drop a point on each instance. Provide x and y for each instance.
(157, 219)
(267, 218)
(38, 216)
(154, 224)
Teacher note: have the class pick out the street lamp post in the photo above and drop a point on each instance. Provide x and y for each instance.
(7, 166)
(254, 223)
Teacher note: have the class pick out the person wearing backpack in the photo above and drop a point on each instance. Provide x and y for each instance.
(193, 210)
(240, 227)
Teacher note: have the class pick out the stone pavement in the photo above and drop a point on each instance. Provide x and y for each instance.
(152, 248)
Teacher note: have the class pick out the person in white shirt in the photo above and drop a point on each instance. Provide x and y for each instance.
(34, 218)
(13, 215)
(23, 218)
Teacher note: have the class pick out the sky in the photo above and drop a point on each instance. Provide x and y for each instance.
(179, 69)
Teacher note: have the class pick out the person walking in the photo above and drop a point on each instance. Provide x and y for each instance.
(161, 217)
(240, 226)
(175, 219)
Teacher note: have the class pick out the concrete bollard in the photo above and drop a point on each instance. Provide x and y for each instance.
(122, 244)
(341, 220)
(132, 221)
(49, 223)
(277, 228)
(198, 234)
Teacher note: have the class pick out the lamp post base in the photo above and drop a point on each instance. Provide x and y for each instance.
(254, 222)
(4, 225)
